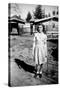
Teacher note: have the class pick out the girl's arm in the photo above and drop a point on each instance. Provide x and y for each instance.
(34, 45)
(34, 41)
(45, 44)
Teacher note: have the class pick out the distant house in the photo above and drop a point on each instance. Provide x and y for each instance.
(26, 27)
(15, 24)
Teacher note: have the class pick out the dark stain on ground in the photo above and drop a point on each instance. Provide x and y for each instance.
(26, 67)
(55, 51)
(55, 54)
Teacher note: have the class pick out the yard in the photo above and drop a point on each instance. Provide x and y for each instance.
(22, 64)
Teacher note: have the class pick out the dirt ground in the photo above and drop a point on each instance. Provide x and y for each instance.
(22, 64)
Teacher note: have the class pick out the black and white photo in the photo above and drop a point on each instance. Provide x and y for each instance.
(33, 36)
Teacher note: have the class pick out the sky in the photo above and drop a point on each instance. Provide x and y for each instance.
(23, 9)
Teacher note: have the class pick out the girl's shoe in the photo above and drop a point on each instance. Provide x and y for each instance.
(40, 74)
(35, 75)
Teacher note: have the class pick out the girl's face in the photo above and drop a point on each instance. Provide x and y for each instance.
(40, 28)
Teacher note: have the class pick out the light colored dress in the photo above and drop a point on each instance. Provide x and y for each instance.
(40, 48)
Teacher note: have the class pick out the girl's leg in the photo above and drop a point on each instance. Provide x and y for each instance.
(41, 66)
(40, 70)
(36, 60)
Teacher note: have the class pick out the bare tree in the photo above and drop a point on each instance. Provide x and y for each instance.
(15, 10)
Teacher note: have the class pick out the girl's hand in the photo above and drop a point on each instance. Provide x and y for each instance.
(33, 58)
(45, 56)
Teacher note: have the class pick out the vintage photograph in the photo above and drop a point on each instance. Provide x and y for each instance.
(33, 35)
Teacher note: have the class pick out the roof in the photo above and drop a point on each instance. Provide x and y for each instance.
(32, 20)
(36, 21)
(15, 19)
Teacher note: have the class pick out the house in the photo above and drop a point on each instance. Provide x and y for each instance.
(51, 26)
(15, 24)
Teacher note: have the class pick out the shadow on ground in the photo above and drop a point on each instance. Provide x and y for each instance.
(26, 67)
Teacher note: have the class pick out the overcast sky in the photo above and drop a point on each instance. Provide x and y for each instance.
(23, 9)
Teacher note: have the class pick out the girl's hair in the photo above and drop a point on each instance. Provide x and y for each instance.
(42, 26)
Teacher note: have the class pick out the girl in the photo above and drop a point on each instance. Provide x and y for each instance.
(40, 50)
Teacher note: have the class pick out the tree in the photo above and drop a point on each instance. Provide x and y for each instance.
(57, 13)
(53, 13)
(19, 17)
(39, 13)
(28, 17)
(49, 15)
(46, 15)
